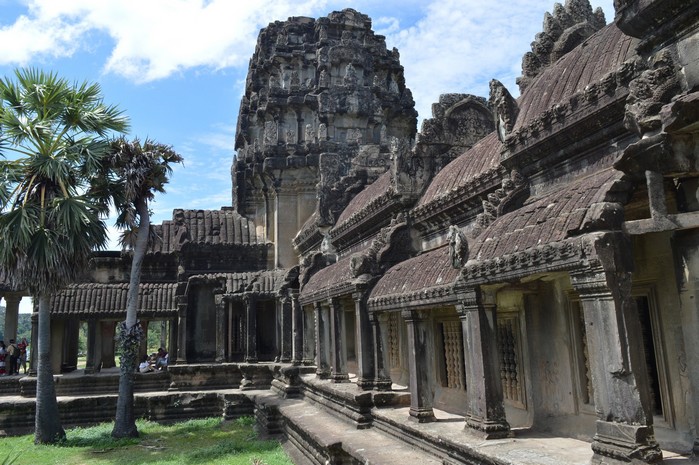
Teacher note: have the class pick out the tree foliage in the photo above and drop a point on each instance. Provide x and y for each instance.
(54, 136)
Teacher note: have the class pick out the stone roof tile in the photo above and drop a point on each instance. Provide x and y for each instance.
(601, 53)
(548, 218)
(482, 157)
(430, 270)
(101, 300)
(361, 201)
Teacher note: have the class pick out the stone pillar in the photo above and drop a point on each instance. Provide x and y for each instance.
(143, 349)
(686, 248)
(379, 331)
(338, 347)
(287, 332)
(309, 339)
(94, 348)
(364, 337)
(221, 324)
(108, 328)
(181, 329)
(419, 349)
(251, 328)
(70, 344)
(33, 355)
(297, 318)
(485, 411)
(164, 342)
(617, 363)
(57, 342)
(322, 334)
(12, 300)
(172, 338)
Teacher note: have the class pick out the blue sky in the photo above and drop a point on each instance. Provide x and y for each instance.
(178, 67)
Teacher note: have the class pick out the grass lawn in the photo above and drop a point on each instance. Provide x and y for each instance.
(207, 441)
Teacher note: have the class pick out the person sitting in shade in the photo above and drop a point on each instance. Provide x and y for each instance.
(161, 359)
(145, 366)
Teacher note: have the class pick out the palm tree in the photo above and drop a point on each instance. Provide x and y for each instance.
(53, 135)
(140, 170)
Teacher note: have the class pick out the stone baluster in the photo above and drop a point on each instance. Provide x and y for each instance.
(419, 348)
(624, 431)
(310, 335)
(485, 411)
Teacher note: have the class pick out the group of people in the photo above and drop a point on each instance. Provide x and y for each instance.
(156, 362)
(13, 356)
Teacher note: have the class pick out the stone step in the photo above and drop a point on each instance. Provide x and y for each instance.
(325, 439)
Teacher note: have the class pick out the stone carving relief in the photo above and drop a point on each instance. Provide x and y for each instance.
(350, 78)
(309, 135)
(458, 247)
(649, 92)
(510, 196)
(322, 131)
(270, 134)
(505, 108)
(565, 29)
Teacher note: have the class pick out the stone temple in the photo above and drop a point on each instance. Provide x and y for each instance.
(515, 283)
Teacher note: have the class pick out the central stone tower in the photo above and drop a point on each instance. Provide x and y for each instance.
(323, 99)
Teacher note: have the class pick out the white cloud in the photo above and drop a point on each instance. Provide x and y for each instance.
(153, 39)
(459, 45)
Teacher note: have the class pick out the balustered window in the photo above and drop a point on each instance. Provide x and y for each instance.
(511, 368)
(453, 352)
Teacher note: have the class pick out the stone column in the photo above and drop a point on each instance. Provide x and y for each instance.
(57, 343)
(418, 360)
(181, 329)
(617, 363)
(287, 332)
(485, 411)
(338, 347)
(143, 349)
(250, 328)
(297, 317)
(12, 300)
(686, 248)
(364, 344)
(221, 324)
(379, 330)
(33, 355)
(94, 355)
(322, 343)
(309, 339)
(108, 331)
(172, 337)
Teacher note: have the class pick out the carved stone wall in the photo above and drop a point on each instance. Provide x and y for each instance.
(322, 100)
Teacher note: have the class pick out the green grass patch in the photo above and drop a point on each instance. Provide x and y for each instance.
(206, 441)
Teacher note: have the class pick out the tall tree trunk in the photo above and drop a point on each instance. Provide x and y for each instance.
(47, 424)
(131, 334)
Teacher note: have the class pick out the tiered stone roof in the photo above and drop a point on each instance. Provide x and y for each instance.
(216, 227)
(422, 281)
(97, 300)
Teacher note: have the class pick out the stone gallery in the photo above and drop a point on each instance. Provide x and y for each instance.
(519, 269)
